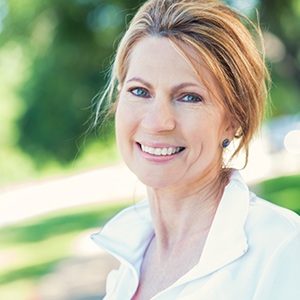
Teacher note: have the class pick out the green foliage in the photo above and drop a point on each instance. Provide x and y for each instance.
(66, 49)
(64, 77)
(282, 19)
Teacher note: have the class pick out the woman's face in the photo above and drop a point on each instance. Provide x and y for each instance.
(169, 127)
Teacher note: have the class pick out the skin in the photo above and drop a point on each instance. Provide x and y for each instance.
(163, 104)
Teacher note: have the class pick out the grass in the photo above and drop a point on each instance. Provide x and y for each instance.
(283, 191)
(57, 223)
(32, 248)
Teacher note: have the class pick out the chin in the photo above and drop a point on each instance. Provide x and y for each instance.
(157, 182)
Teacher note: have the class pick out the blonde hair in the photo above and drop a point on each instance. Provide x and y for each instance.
(233, 53)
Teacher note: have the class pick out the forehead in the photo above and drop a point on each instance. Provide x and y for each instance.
(158, 54)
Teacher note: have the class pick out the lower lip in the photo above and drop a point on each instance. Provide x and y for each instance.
(157, 158)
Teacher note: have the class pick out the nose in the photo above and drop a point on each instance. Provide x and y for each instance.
(159, 117)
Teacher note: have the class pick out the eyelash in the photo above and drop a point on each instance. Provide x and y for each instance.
(196, 99)
(145, 94)
(134, 92)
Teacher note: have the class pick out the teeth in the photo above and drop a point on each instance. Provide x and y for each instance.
(160, 151)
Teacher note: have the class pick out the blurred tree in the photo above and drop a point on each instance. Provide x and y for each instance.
(67, 45)
(281, 19)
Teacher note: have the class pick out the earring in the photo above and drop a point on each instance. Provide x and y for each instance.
(225, 143)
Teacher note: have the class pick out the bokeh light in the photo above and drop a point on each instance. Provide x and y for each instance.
(292, 142)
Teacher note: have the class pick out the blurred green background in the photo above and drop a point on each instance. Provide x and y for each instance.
(54, 59)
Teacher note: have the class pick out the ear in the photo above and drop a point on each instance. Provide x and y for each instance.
(231, 130)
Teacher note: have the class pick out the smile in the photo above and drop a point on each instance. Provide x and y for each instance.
(161, 151)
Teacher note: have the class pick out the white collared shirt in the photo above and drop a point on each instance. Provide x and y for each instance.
(252, 251)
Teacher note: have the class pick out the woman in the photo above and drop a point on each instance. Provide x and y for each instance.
(190, 80)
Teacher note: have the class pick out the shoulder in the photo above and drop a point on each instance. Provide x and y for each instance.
(274, 241)
(262, 217)
(272, 215)
(272, 225)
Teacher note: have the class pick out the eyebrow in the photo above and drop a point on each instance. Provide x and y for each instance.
(173, 89)
(138, 79)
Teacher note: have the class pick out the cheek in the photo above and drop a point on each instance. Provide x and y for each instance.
(209, 128)
(124, 126)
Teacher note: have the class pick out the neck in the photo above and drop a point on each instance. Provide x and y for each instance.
(182, 213)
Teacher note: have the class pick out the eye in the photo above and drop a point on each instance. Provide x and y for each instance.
(193, 98)
(139, 92)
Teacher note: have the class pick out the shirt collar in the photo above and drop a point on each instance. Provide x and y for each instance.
(227, 240)
(128, 234)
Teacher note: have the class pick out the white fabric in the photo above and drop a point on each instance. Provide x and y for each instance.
(252, 251)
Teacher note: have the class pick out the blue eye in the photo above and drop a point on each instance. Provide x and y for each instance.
(139, 92)
(191, 98)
